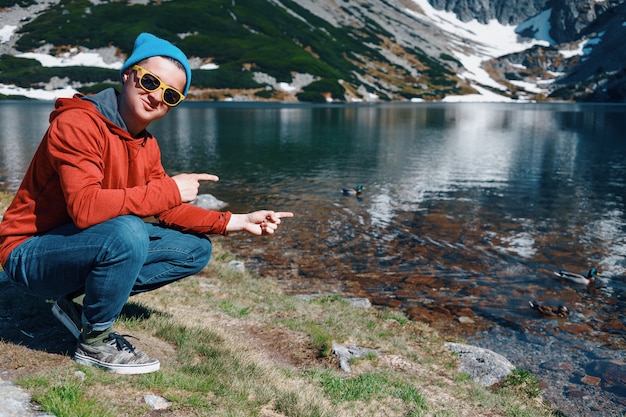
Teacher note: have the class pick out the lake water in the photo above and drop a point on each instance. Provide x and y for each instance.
(467, 211)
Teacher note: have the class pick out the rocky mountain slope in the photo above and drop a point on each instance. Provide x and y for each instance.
(333, 50)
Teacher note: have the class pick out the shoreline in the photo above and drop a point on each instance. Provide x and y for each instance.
(440, 323)
(261, 325)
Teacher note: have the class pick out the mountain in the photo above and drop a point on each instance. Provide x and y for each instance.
(328, 50)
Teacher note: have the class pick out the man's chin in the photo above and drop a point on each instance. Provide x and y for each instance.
(150, 114)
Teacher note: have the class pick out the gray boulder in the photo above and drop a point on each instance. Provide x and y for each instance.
(209, 202)
(484, 366)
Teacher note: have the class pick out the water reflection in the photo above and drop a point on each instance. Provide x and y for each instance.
(468, 209)
(23, 124)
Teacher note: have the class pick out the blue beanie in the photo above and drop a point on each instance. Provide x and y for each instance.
(148, 45)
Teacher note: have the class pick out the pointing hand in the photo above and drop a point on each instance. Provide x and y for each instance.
(188, 184)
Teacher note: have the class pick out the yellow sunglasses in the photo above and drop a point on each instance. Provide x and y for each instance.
(150, 82)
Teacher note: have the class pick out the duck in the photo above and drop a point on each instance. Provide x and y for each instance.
(588, 280)
(353, 191)
(549, 311)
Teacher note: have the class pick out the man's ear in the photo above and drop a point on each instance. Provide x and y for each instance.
(125, 76)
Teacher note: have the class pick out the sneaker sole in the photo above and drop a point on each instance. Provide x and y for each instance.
(66, 320)
(118, 368)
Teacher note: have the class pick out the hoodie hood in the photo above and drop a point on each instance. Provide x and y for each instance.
(103, 106)
(106, 103)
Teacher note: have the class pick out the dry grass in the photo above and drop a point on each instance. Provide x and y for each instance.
(232, 344)
(5, 200)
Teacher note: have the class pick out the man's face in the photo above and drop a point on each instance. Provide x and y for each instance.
(144, 106)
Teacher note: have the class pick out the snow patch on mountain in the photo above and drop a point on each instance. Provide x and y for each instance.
(475, 42)
(72, 58)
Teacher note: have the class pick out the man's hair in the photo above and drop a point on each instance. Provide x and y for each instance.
(175, 61)
(169, 58)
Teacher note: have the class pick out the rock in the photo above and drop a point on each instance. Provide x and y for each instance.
(577, 328)
(612, 373)
(346, 353)
(576, 393)
(237, 265)
(590, 380)
(209, 202)
(359, 302)
(484, 366)
(507, 12)
(355, 301)
(156, 403)
(556, 365)
(465, 320)
(15, 402)
(568, 19)
(615, 325)
(80, 375)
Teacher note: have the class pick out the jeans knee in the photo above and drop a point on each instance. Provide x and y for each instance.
(128, 236)
(198, 253)
(203, 254)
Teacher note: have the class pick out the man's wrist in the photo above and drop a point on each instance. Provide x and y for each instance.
(236, 222)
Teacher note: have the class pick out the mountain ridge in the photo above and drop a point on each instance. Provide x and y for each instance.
(343, 51)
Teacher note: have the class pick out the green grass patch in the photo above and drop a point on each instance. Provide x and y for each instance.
(521, 382)
(232, 344)
(369, 387)
(66, 396)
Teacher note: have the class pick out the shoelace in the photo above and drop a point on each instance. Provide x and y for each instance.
(120, 341)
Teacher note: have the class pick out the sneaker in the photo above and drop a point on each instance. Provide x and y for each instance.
(117, 355)
(69, 313)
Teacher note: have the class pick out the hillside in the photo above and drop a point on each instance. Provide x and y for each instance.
(320, 51)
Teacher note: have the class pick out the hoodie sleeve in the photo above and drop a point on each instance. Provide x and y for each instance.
(190, 218)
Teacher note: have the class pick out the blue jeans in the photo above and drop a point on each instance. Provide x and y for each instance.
(111, 261)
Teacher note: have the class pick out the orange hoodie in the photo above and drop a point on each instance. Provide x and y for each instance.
(88, 170)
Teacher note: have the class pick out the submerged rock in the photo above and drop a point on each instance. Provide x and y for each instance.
(611, 374)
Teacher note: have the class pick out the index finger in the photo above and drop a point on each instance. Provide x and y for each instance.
(281, 214)
(207, 177)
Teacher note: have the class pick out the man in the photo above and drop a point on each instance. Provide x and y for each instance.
(75, 225)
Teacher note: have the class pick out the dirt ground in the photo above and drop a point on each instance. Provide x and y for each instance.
(33, 340)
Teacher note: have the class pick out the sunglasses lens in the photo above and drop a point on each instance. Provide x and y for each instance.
(149, 82)
(171, 97)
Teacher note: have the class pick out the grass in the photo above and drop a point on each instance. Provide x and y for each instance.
(367, 387)
(69, 398)
(232, 344)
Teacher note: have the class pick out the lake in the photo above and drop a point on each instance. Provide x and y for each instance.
(467, 211)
